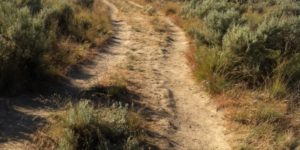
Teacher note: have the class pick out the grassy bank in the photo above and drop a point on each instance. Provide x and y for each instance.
(39, 38)
(246, 53)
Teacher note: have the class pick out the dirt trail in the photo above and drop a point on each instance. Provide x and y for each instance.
(148, 50)
(180, 114)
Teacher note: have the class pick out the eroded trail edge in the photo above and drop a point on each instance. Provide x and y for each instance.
(179, 114)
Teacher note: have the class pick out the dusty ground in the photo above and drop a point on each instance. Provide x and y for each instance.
(148, 52)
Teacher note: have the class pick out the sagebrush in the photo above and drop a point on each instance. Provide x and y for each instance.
(31, 33)
(85, 126)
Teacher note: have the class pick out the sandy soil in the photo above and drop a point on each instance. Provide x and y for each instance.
(148, 50)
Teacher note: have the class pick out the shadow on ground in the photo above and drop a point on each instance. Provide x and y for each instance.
(106, 95)
(15, 124)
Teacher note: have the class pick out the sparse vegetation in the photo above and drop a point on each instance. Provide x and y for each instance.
(84, 126)
(245, 52)
(44, 37)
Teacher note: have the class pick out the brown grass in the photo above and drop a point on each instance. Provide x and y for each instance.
(258, 122)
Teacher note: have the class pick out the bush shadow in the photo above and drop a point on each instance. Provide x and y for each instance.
(17, 125)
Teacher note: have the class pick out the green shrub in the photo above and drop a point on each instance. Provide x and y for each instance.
(255, 51)
(221, 21)
(59, 18)
(252, 44)
(31, 33)
(23, 41)
(85, 127)
(81, 130)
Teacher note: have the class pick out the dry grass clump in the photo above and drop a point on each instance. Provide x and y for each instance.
(84, 126)
(258, 121)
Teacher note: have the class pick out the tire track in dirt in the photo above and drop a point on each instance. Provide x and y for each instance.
(179, 114)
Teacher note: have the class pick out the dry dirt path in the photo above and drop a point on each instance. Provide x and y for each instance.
(148, 51)
(179, 113)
